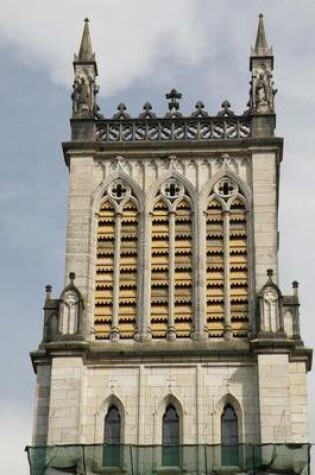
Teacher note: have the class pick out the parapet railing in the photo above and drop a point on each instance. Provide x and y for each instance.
(174, 129)
(286, 459)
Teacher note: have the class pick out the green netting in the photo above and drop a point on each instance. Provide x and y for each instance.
(288, 459)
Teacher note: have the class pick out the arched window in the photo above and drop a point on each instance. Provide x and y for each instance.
(229, 437)
(116, 263)
(170, 437)
(227, 269)
(112, 438)
(171, 262)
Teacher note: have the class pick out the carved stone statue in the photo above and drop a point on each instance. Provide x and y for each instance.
(261, 91)
(81, 95)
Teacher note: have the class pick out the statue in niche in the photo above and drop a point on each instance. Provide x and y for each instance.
(271, 310)
(70, 308)
(261, 91)
(80, 95)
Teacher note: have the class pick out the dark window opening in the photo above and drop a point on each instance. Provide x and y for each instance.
(112, 438)
(229, 437)
(170, 437)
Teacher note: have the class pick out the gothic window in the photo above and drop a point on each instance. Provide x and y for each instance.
(227, 273)
(171, 262)
(112, 437)
(170, 437)
(116, 263)
(229, 437)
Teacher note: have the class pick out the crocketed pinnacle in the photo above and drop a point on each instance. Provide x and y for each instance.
(261, 45)
(85, 51)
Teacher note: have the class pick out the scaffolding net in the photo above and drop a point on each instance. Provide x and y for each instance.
(97, 459)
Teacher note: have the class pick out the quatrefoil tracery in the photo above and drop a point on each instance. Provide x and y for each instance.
(172, 189)
(119, 190)
(226, 188)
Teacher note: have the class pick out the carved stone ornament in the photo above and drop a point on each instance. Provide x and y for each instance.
(119, 190)
(172, 189)
(69, 313)
(262, 91)
(226, 188)
(81, 95)
(271, 310)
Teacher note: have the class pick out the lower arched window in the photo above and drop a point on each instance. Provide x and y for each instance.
(170, 437)
(112, 438)
(229, 437)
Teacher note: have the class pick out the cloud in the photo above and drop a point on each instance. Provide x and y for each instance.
(14, 436)
(132, 37)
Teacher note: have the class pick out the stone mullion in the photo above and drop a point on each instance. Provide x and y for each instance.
(146, 270)
(228, 331)
(115, 322)
(171, 332)
(202, 273)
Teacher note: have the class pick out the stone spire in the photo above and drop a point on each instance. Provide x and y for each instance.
(261, 45)
(85, 52)
(262, 92)
(84, 87)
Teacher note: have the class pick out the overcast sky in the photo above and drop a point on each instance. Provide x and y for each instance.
(143, 48)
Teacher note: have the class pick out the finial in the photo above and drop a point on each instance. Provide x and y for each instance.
(270, 273)
(147, 114)
(122, 112)
(199, 110)
(295, 287)
(225, 109)
(48, 290)
(173, 104)
(71, 278)
(85, 52)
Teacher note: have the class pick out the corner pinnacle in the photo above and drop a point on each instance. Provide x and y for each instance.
(261, 45)
(85, 51)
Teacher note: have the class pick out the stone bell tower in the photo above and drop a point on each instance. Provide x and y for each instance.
(171, 348)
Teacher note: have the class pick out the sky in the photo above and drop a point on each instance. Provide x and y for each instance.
(144, 49)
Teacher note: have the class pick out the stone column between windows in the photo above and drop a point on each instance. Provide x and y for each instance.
(197, 276)
(114, 335)
(202, 270)
(145, 290)
(140, 324)
(171, 332)
(228, 331)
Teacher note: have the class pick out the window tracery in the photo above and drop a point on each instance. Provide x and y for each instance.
(171, 262)
(226, 249)
(116, 263)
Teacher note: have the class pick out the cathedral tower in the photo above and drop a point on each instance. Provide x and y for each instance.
(171, 348)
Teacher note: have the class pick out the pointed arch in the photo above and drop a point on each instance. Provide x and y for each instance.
(117, 257)
(113, 400)
(229, 436)
(172, 256)
(70, 310)
(226, 200)
(153, 190)
(243, 186)
(101, 188)
(170, 437)
(229, 400)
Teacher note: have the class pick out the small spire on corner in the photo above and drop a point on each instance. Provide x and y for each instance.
(261, 45)
(85, 51)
